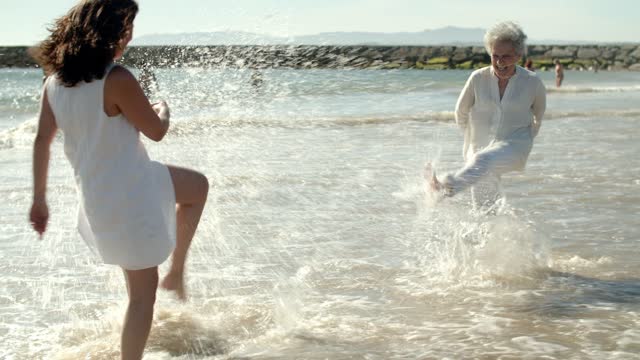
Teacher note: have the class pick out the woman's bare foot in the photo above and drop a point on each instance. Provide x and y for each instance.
(174, 281)
(431, 178)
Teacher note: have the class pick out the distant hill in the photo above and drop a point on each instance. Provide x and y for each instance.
(448, 35)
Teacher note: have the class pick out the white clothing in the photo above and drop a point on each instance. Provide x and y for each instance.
(482, 173)
(127, 202)
(498, 133)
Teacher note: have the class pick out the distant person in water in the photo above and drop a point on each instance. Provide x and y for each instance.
(256, 79)
(500, 111)
(529, 65)
(133, 212)
(148, 81)
(559, 73)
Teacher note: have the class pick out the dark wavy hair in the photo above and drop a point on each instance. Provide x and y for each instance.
(85, 40)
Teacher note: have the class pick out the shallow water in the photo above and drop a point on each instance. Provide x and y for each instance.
(318, 240)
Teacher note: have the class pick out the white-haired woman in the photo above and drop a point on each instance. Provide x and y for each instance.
(500, 111)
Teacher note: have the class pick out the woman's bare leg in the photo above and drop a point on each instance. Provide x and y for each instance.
(141, 286)
(191, 189)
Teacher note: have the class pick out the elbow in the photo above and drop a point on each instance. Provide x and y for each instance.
(158, 134)
(461, 121)
(157, 137)
(461, 116)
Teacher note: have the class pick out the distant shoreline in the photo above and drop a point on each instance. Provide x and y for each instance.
(573, 57)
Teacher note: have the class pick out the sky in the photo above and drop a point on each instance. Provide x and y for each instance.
(24, 22)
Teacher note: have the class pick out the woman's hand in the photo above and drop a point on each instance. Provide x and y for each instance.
(39, 216)
(162, 109)
(535, 127)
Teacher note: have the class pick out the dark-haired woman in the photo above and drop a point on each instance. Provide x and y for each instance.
(133, 212)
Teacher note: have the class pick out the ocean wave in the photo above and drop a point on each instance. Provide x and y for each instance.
(593, 89)
(605, 113)
(200, 124)
(23, 134)
(575, 262)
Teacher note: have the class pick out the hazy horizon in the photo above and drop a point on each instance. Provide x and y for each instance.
(448, 35)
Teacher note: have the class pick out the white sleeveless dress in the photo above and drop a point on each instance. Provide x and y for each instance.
(126, 201)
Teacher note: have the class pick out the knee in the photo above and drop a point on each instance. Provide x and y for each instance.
(203, 185)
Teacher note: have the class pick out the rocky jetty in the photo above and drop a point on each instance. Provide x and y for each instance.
(585, 57)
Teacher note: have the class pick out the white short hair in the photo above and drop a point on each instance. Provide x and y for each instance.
(506, 31)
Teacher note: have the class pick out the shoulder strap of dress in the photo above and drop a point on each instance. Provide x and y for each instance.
(49, 84)
(108, 69)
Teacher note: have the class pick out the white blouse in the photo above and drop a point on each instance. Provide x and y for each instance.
(515, 119)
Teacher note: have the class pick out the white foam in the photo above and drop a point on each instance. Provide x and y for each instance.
(174, 332)
(20, 136)
(592, 89)
(463, 246)
(629, 340)
(536, 346)
(575, 262)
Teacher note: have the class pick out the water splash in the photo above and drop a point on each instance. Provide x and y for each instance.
(462, 246)
(174, 332)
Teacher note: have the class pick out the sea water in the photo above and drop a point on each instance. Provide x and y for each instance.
(318, 240)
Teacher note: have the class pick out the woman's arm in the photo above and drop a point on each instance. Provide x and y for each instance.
(464, 104)
(39, 214)
(123, 90)
(539, 107)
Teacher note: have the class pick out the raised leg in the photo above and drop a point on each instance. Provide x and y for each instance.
(191, 189)
(493, 161)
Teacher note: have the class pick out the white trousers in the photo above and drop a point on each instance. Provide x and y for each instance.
(483, 171)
